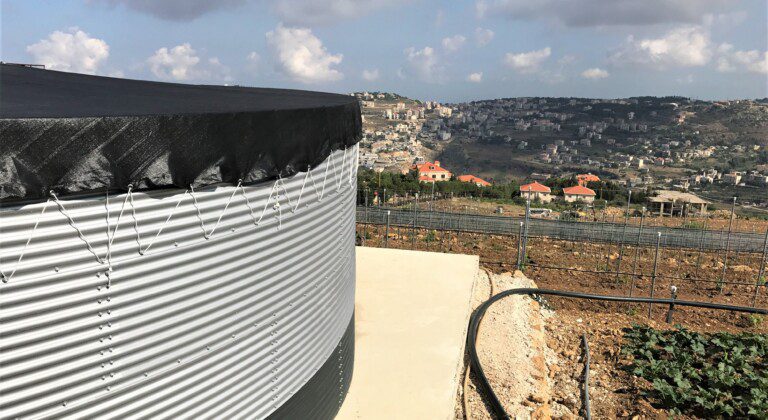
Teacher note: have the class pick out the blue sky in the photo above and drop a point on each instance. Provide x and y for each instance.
(441, 50)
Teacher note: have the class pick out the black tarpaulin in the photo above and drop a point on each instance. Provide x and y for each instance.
(74, 133)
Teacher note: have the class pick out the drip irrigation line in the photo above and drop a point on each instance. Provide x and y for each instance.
(477, 317)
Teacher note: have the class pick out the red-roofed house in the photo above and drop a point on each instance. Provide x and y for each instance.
(583, 179)
(473, 179)
(432, 171)
(425, 178)
(579, 193)
(536, 191)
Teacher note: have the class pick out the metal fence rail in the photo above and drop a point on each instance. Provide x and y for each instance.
(596, 232)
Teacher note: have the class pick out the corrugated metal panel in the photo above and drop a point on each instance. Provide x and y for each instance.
(321, 398)
(225, 327)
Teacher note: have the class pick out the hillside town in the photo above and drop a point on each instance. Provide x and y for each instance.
(713, 149)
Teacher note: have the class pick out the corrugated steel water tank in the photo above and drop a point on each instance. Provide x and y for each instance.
(171, 251)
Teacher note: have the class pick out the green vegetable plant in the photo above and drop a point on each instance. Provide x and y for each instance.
(704, 375)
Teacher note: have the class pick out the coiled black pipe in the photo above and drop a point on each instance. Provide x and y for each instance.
(477, 316)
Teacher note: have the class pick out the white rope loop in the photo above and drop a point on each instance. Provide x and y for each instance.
(111, 238)
(6, 278)
(72, 223)
(206, 234)
(160, 230)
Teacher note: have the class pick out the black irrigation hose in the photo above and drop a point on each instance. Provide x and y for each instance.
(477, 316)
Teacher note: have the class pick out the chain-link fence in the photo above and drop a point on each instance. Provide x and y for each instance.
(627, 254)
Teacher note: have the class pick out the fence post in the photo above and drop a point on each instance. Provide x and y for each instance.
(431, 205)
(525, 231)
(601, 238)
(443, 228)
(623, 236)
(727, 248)
(415, 216)
(365, 225)
(671, 311)
(386, 232)
(520, 247)
(637, 252)
(655, 269)
(701, 248)
(761, 273)
(607, 268)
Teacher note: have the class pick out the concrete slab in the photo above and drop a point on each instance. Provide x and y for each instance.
(411, 314)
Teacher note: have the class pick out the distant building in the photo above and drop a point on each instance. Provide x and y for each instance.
(424, 178)
(536, 191)
(474, 180)
(578, 193)
(433, 171)
(733, 178)
(584, 179)
(667, 202)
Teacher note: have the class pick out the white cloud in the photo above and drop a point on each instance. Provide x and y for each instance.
(731, 60)
(318, 12)
(371, 75)
(182, 63)
(527, 62)
(682, 47)
(454, 43)
(594, 73)
(424, 64)
(605, 12)
(253, 57)
(301, 55)
(72, 50)
(483, 36)
(475, 77)
(179, 10)
(253, 62)
(567, 59)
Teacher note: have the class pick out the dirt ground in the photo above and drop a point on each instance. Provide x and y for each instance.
(556, 394)
(591, 268)
(534, 360)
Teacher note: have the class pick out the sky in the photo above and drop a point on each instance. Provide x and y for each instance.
(449, 51)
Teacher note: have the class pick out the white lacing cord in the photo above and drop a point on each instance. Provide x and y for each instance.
(325, 178)
(314, 185)
(111, 237)
(303, 185)
(207, 234)
(111, 234)
(159, 231)
(285, 190)
(340, 182)
(8, 278)
(72, 223)
(355, 165)
(248, 203)
(264, 210)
